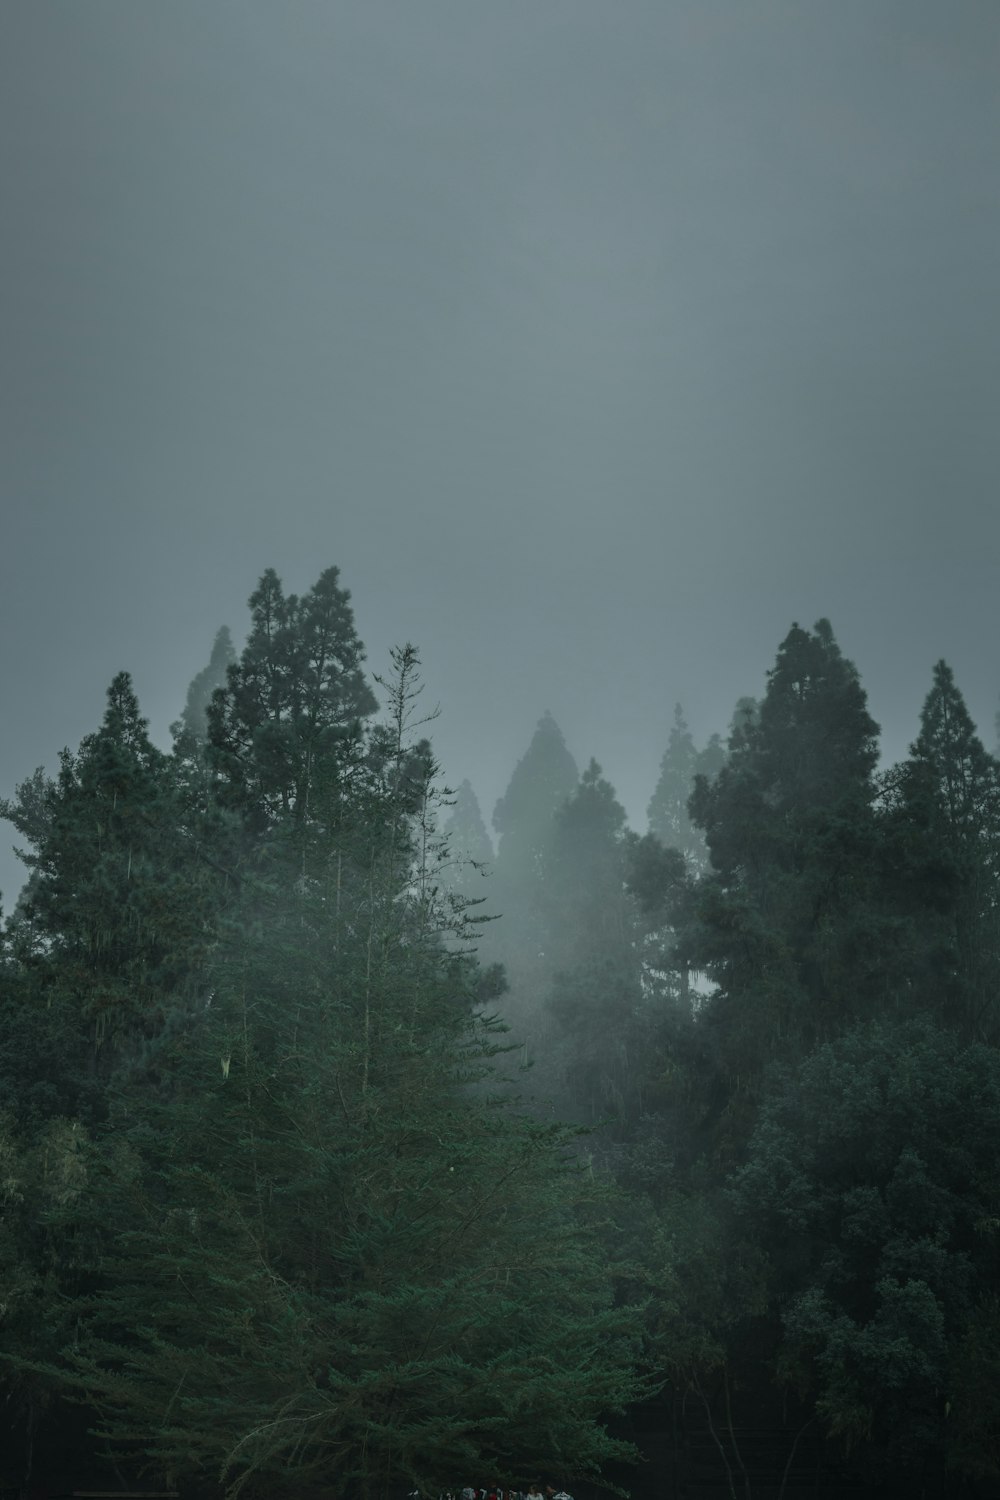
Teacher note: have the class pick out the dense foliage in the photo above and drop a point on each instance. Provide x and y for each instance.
(284, 1208)
(296, 1231)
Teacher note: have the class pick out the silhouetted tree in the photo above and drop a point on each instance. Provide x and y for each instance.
(943, 823)
(115, 908)
(524, 818)
(193, 722)
(543, 778)
(595, 1050)
(293, 703)
(668, 807)
(784, 925)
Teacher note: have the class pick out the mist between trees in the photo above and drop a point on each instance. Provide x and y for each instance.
(343, 1153)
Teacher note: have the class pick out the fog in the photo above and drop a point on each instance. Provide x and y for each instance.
(594, 343)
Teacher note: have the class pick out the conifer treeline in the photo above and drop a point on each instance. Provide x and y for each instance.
(779, 1010)
(273, 1210)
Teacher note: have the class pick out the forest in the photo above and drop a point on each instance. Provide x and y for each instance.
(345, 1151)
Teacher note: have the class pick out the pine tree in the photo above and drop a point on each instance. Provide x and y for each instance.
(193, 722)
(524, 818)
(945, 837)
(117, 899)
(293, 703)
(108, 951)
(668, 807)
(962, 774)
(344, 1261)
(785, 925)
(543, 778)
(668, 812)
(587, 901)
(596, 1050)
(816, 740)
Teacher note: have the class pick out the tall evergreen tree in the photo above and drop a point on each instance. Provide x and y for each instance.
(109, 950)
(543, 778)
(117, 897)
(597, 996)
(586, 896)
(193, 722)
(816, 741)
(785, 916)
(524, 818)
(963, 776)
(293, 703)
(668, 812)
(343, 1264)
(944, 824)
(668, 807)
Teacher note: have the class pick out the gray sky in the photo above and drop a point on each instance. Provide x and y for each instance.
(594, 342)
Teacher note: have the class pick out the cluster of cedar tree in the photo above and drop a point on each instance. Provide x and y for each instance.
(272, 1210)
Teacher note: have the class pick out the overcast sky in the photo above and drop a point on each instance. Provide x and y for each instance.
(594, 342)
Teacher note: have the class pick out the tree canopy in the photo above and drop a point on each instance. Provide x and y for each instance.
(339, 1149)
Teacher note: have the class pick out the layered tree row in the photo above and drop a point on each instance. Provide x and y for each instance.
(779, 1010)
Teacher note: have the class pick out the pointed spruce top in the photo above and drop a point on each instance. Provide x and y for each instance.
(949, 754)
(543, 778)
(194, 715)
(814, 737)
